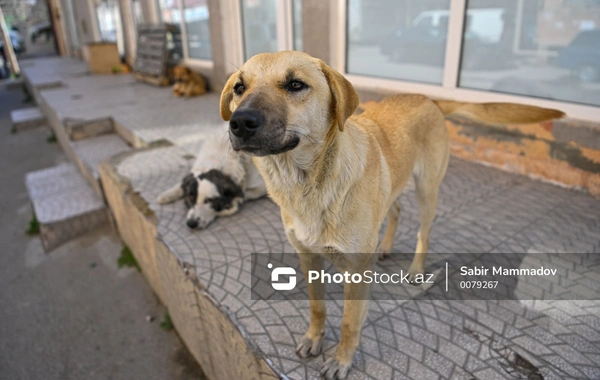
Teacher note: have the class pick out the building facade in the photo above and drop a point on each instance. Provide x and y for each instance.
(541, 52)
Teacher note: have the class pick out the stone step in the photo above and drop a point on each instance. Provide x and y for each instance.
(91, 152)
(65, 205)
(84, 129)
(27, 118)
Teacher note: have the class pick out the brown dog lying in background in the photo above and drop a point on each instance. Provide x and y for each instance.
(187, 82)
(336, 176)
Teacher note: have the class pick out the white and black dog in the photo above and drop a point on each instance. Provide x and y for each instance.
(219, 182)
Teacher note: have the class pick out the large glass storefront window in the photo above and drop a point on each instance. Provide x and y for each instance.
(297, 20)
(196, 16)
(397, 39)
(259, 18)
(540, 48)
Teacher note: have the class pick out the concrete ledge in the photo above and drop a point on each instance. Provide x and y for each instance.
(92, 151)
(64, 204)
(83, 129)
(564, 152)
(27, 118)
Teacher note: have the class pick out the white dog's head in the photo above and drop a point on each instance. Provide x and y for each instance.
(209, 195)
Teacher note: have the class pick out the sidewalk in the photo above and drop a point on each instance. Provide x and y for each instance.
(71, 314)
(204, 276)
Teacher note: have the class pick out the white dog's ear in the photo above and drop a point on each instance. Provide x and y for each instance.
(344, 99)
(227, 97)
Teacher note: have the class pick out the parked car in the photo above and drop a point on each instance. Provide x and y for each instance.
(424, 41)
(17, 41)
(37, 30)
(582, 56)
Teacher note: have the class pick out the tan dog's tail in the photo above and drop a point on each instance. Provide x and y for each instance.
(499, 113)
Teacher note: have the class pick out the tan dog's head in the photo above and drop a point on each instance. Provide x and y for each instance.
(279, 101)
(181, 73)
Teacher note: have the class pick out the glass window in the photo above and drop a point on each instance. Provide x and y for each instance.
(109, 22)
(169, 11)
(397, 39)
(171, 14)
(197, 26)
(297, 16)
(260, 26)
(540, 48)
(138, 14)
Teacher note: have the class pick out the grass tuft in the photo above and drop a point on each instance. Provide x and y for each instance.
(34, 226)
(128, 260)
(167, 324)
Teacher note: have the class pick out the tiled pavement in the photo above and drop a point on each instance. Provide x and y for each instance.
(480, 210)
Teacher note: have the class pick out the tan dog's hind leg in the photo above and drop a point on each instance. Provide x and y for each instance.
(393, 216)
(428, 178)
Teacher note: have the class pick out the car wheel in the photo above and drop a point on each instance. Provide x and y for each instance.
(588, 73)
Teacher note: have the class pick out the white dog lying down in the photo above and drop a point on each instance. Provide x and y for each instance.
(220, 181)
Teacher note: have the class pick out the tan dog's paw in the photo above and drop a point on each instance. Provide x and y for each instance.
(414, 270)
(334, 370)
(309, 346)
(383, 251)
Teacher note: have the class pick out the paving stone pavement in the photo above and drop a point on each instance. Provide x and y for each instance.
(480, 210)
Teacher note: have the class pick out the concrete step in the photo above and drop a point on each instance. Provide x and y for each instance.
(91, 152)
(84, 129)
(27, 118)
(64, 204)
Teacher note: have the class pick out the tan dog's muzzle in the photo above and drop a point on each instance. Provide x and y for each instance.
(259, 133)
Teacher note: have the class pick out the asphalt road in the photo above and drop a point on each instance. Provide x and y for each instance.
(72, 313)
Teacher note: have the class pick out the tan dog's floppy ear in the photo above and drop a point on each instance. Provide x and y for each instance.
(227, 97)
(344, 97)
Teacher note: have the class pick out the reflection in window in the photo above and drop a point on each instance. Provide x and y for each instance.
(138, 14)
(196, 18)
(398, 39)
(297, 15)
(169, 11)
(260, 26)
(109, 23)
(171, 14)
(540, 48)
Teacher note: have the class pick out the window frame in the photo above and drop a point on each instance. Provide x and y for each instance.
(284, 25)
(450, 84)
(197, 63)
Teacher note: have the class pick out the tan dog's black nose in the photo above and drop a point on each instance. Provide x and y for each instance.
(245, 123)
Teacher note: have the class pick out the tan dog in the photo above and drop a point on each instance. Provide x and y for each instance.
(187, 82)
(337, 176)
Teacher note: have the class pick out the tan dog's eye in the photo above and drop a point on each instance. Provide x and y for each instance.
(295, 86)
(239, 89)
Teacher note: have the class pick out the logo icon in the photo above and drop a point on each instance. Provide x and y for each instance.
(282, 271)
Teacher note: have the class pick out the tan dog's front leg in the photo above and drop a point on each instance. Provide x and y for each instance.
(393, 215)
(355, 310)
(312, 342)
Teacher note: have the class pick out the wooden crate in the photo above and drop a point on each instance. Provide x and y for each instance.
(152, 62)
(101, 57)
